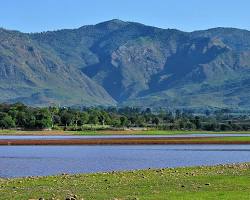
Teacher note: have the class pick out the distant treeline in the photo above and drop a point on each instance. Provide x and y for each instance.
(25, 117)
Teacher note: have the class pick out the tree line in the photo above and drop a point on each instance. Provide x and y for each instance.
(20, 116)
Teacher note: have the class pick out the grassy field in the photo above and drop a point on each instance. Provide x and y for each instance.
(152, 132)
(219, 182)
(116, 132)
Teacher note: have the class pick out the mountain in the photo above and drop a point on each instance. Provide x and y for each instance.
(35, 75)
(126, 63)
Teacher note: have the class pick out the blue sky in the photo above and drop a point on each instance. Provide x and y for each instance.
(187, 15)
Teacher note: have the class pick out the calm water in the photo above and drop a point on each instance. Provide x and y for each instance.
(17, 161)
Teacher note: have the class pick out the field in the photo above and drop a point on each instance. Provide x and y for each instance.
(218, 182)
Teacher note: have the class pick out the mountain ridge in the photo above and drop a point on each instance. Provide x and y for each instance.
(126, 63)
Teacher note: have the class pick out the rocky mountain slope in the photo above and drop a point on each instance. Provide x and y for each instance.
(126, 63)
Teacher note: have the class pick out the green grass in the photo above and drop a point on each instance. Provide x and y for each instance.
(155, 132)
(179, 132)
(219, 182)
(8, 131)
(234, 138)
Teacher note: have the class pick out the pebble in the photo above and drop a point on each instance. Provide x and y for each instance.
(71, 197)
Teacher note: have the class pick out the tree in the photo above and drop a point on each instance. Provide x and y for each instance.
(67, 118)
(54, 115)
(30, 119)
(177, 114)
(104, 118)
(124, 121)
(225, 127)
(116, 122)
(6, 121)
(197, 122)
(43, 119)
(156, 121)
(76, 118)
(93, 119)
(21, 119)
(84, 118)
(94, 115)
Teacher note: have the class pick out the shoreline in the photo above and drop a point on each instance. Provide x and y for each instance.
(128, 141)
(201, 182)
(112, 132)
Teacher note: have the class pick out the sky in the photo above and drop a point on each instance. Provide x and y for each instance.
(186, 15)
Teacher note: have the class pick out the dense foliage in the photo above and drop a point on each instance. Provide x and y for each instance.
(24, 117)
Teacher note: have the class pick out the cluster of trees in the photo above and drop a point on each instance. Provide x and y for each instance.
(21, 116)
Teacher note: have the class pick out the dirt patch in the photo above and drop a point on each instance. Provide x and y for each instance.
(120, 132)
(46, 133)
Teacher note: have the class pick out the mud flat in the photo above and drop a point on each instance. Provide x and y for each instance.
(129, 141)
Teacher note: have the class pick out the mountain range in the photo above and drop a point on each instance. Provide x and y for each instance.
(126, 64)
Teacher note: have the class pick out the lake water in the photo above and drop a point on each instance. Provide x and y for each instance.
(18, 161)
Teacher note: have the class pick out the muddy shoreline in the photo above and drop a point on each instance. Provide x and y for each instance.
(121, 141)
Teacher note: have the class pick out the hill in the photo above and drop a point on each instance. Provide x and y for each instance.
(126, 63)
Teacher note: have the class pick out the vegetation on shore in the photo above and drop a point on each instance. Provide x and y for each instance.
(218, 182)
(19, 116)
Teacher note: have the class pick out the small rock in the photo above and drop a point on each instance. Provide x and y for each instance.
(70, 198)
(183, 186)
(207, 184)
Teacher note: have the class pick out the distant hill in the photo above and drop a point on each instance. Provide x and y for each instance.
(126, 63)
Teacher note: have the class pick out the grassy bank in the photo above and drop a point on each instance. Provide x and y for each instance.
(116, 132)
(219, 182)
(153, 132)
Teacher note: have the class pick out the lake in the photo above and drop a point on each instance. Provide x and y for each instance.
(19, 161)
